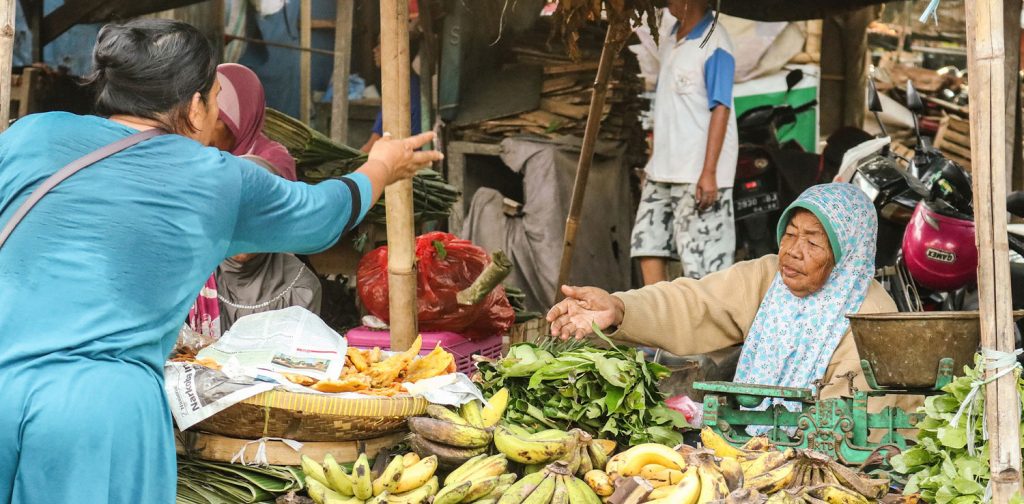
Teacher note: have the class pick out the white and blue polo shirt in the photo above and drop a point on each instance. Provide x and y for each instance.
(692, 81)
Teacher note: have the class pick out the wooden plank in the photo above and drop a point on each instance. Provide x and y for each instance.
(990, 116)
(557, 84)
(327, 24)
(955, 137)
(564, 108)
(305, 60)
(951, 147)
(960, 125)
(342, 67)
(7, 13)
(216, 448)
(395, 75)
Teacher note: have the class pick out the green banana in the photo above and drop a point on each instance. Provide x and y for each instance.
(473, 413)
(494, 465)
(480, 488)
(545, 490)
(598, 456)
(561, 495)
(362, 486)
(381, 498)
(581, 493)
(449, 433)
(453, 494)
(337, 478)
(522, 488)
(314, 470)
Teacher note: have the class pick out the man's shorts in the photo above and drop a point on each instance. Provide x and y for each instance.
(669, 225)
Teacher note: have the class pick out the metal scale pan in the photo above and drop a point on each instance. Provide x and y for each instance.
(915, 351)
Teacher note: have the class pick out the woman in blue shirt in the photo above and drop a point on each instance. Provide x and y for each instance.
(96, 280)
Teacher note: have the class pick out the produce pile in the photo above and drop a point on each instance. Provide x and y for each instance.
(318, 158)
(201, 482)
(407, 479)
(369, 372)
(942, 467)
(612, 392)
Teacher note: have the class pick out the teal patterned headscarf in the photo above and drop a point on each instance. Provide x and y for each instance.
(792, 339)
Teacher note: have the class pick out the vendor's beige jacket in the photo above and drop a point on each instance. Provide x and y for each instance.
(688, 317)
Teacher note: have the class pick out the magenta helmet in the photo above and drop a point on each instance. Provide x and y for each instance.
(939, 250)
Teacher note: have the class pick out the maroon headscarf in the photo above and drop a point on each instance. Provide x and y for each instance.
(243, 109)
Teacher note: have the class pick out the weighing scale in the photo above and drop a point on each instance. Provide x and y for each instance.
(902, 354)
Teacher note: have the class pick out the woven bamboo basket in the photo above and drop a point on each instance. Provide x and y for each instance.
(313, 417)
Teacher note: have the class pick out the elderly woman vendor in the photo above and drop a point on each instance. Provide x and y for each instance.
(788, 311)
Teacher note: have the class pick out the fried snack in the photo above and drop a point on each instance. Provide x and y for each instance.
(356, 357)
(435, 363)
(354, 383)
(210, 363)
(298, 379)
(388, 371)
(373, 356)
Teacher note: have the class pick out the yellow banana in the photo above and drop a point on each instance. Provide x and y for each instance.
(442, 413)
(521, 489)
(392, 475)
(609, 445)
(470, 465)
(382, 498)
(495, 465)
(635, 458)
(733, 473)
(449, 433)
(410, 459)
(480, 487)
(530, 451)
(712, 484)
(687, 491)
(416, 475)
(320, 492)
(472, 412)
(599, 482)
(495, 408)
(544, 491)
(337, 478)
(774, 480)
(838, 495)
(580, 493)
(659, 476)
(586, 463)
(758, 443)
(453, 494)
(766, 462)
(419, 495)
(615, 464)
(314, 470)
(716, 443)
(362, 484)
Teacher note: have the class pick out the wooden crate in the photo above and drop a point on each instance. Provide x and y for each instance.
(954, 139)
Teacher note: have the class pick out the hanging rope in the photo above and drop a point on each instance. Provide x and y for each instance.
(261, 451)
(1000, 364)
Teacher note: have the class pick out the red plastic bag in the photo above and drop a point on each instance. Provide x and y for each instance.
(446, 265)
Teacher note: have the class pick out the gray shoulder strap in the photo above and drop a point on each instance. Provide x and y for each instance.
(69, 170)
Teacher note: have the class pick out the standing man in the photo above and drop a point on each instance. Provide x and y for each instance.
(686, 205)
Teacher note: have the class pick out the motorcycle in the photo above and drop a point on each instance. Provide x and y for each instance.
(769, 174)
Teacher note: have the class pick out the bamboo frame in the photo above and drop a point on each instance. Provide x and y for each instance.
(305, 60)
(6, 59)
(991, 116)
(614, 39)
(395, 68)
(342, 65)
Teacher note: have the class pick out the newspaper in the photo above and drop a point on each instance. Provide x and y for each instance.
(292, 340)
(196, 393)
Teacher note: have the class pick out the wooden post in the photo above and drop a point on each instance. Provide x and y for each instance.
(614, 38)
(6, 59)
(986, 51)
(394, 64)
(305, 59)
(342, 64)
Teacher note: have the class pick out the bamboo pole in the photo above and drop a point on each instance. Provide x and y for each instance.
(6, 59)
(394, 46)
(342, 65)
(986, 51)
(268, 43)
(305, 59)
(614, 38)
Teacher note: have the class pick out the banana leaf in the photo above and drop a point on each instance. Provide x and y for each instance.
(202, 482)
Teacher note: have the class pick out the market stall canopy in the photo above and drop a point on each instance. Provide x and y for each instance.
(98, 11)
(792, 10)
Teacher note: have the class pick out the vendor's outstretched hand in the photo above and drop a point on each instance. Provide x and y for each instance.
(583, 307)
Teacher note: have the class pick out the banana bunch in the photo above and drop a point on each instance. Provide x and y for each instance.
(407, 479)
(538, 449)
(482, 479)
(456, 437)
(554, 484)
(794, 476)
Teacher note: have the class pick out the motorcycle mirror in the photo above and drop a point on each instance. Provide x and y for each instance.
(914, 102)
(793, 78)
(874, 101)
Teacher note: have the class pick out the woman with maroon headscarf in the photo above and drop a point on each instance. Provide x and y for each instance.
(250, 277)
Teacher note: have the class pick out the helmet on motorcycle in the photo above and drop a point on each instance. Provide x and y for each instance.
(939, 249)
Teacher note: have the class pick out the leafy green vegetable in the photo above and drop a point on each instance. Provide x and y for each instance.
(608, 392)
(940, 467)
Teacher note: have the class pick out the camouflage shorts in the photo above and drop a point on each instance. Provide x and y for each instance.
(669, 225)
